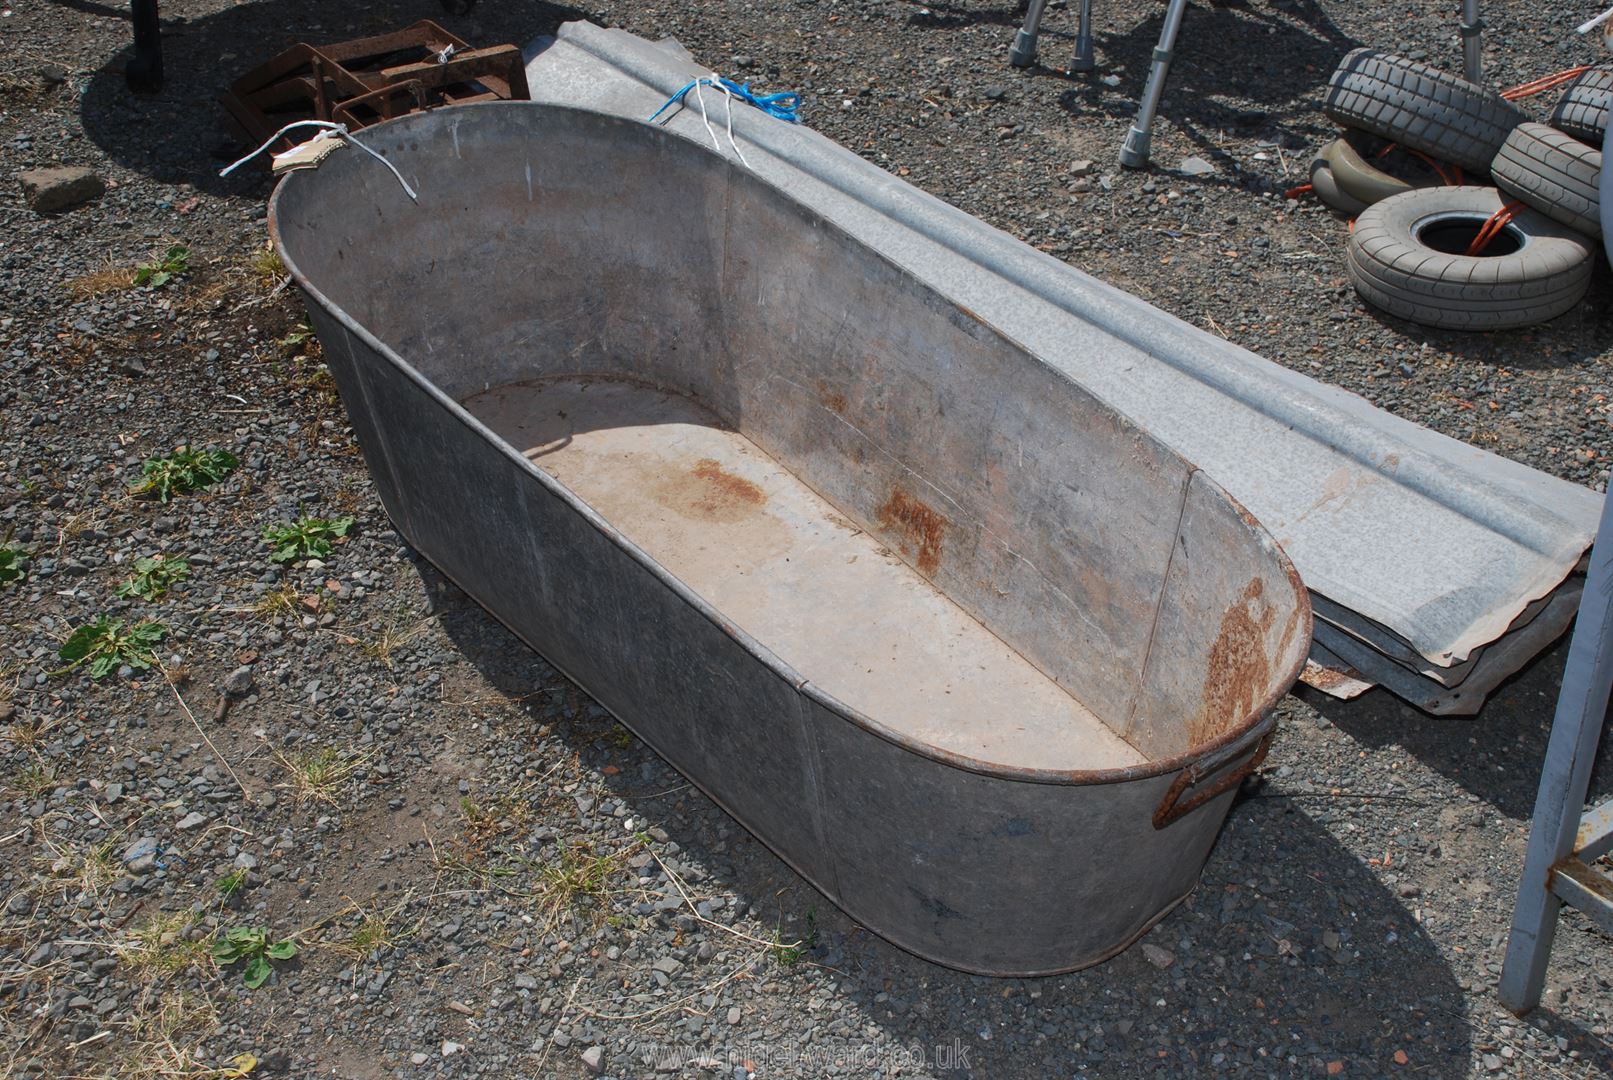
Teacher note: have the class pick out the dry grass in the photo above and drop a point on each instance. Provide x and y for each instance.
(266, 269)
(162, 947)
(393, 635)
(160, 1040)
(109, 277)
(277, 603)
(74, 867)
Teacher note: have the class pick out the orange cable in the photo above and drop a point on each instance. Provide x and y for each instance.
(1492, 227)
(1544, 83)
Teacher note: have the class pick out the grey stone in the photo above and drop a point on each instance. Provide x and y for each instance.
(1160, 958)
(193, 820)
(594, 1059)
(144, 847)
(1195, 166)
(60, 188)
(239, 681)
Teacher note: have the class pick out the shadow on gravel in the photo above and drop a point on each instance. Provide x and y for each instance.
(1496, 755)
(177, 136)
(1289, 956)
(1272, 60)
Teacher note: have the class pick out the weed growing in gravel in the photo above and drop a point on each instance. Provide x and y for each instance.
(183, 470)
(580, 880)
(33, 778)
(231, 883)
(306, 538)
(252, 944)
(157, 1041)
(788, 955)
(483, 824)
(159, 272)
(267, 268)
(77, 867)
(277, 603)
(163, 946)
(154, 576)
(301, 339)
(392, 636)
(106, 646)
(317, 776)
(26, 732)
(377, 929)
(13, 564)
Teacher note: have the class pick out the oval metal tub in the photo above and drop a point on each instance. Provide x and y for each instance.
(980, 659)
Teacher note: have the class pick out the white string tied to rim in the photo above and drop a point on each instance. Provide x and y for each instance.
(328, 130)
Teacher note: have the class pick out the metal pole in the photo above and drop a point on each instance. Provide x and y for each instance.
(1083, 61)
(1471, 27)
(1022, 53)
(1134, 152)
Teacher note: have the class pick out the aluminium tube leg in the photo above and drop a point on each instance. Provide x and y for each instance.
(1022, 53)
(1571, 751)
(1134, 152)
(1471, 27)
(1082, 60)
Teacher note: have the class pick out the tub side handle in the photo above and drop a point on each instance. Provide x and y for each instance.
(1173, 806)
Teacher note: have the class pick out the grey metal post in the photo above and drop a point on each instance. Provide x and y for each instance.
(1571, 751)
(1575, 731)
(1471, 27)
(1082, 60)
(1134, 152)
(1022, 53)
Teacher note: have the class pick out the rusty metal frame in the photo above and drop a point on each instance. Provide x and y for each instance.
(371, 79)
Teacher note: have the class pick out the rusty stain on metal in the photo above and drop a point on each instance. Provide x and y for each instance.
(1240, 663)
(919, 530)
(722, 494)
(832, 399)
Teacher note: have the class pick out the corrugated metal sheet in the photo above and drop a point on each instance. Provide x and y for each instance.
(1435, 544)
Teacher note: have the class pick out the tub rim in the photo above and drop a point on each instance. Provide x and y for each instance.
(1247, 731)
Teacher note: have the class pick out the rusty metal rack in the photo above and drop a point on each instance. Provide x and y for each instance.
(367, 80)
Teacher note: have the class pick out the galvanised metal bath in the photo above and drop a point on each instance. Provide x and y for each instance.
(973, 653)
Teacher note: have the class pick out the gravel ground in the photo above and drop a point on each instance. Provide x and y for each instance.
(484, 875)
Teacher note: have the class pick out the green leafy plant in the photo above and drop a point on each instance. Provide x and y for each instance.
(159, 272)
(183, 470)
(306, 538)
(252, 944)
(153, 577)
(789, 954)
(13, 564)
(105, 646)
(300, 335)
(231, 883)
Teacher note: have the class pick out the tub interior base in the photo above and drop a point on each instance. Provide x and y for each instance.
(778, 560)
